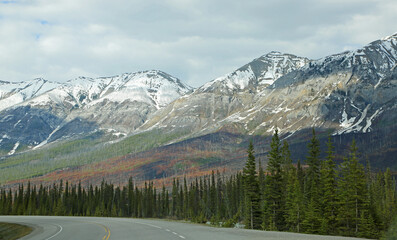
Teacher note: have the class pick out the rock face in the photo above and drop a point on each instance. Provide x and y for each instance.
(211, 106)
(24, 126)
(80, 106)
(346, 93)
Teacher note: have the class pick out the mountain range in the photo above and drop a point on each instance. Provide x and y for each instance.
(85, 124)
(81, 106)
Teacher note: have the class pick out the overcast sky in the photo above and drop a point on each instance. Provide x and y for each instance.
(194, 40)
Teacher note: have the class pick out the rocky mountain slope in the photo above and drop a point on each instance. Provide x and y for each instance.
(39, 112)
(346, 92)
(208, 107)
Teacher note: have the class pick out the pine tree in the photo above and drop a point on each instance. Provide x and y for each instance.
(328, 196)
(59, 208)
(353, 198)
(313, 171)
(26, 199)
(2, 201)
(312, 222)
(286, 155)
(289, 177)
(274, 215)
(294, 203)
(213, 199)
(174, 198)
(252, 194)
(185, 199)
(261, 178)
(390, 210)
(262, 190)
(220, 210)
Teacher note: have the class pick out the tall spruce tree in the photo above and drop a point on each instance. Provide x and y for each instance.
(252, 194)
(353, 198)
(328, 196)
(312, 222)
(390, 200)
(294, 203)
(261, 181)
(274, 215)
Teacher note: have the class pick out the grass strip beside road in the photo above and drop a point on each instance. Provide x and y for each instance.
(11, 231)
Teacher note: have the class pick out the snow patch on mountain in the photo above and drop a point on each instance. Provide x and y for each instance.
(56, 96)
(238, 79)
(279, 65)
(12, 93)
(367, 127)
(48, 138)
(14, 148)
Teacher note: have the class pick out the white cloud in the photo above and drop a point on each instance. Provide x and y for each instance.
(194, 40)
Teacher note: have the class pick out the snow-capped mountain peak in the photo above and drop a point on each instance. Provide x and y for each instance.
(261, 72)
(82, 105)
(12, 93)
(372, 63)
(393, 36)
(153, 87)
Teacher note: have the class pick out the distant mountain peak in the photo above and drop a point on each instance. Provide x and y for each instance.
(393, 36)
(260, 72)
(153, 87)
(273, 53)
(121, 79)
(371, 63)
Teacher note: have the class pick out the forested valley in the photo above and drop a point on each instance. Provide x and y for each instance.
(317, 196)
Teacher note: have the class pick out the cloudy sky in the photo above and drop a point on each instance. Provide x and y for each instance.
(194, 40)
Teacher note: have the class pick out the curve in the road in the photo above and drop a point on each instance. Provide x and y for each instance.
(61, 228)
(165, 229)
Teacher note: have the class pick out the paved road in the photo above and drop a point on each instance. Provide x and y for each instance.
(63, 228)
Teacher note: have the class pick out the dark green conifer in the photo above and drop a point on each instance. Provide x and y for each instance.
(353, 198)
(312, 222)
(328, 190)
(252, 218)
(275, 188)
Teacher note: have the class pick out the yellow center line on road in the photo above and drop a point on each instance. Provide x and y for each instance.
(107, 238)
(107, 230)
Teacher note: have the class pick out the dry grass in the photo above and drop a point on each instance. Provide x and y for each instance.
(11, 231)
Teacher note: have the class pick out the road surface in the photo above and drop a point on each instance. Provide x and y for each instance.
(98, 228)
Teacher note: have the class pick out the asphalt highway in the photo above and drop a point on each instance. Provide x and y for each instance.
(98, 228)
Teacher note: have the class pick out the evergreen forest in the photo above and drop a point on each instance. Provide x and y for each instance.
(316, 196)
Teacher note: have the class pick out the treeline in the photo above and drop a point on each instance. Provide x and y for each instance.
(320, 198)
